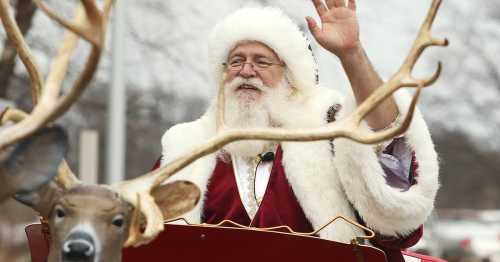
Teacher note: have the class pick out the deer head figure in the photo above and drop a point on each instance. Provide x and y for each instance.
(92, 223)
(87, 222)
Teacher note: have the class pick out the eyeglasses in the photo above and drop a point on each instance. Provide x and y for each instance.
(237, 65)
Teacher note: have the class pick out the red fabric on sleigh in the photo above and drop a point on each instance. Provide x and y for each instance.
(200, 243)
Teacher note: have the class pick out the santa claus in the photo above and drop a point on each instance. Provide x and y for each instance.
(270, 79)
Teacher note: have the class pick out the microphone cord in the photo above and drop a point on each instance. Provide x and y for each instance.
(269, 156)
(255, 181)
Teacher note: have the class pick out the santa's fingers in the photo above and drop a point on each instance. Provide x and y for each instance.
(335, 3)
(313, 27)
(320, 7)
(352, 5)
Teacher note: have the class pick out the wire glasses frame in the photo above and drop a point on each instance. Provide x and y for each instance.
(256, 66)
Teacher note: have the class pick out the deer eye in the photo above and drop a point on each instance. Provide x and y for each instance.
(118, 221)
(59, 212)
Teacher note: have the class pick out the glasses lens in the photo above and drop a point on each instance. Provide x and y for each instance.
(257, 66)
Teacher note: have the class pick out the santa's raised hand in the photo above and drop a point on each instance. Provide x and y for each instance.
(339, 30)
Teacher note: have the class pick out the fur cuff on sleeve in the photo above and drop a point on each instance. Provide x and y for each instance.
(386, 209)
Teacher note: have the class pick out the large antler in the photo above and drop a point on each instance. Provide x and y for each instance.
(90, 24)
(137, 191)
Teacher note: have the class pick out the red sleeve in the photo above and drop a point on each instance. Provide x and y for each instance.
(157, 164)
(394, 243)
(398, 242)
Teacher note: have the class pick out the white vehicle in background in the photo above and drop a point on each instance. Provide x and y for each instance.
(463, 235)
(486, 241)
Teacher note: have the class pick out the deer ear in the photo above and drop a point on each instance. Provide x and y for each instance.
(42, 199)
(34, 162)
(176, 198)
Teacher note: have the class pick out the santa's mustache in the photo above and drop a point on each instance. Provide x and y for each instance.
(250, 82)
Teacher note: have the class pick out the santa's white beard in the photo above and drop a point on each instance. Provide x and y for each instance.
(244, 111)
(281, 106)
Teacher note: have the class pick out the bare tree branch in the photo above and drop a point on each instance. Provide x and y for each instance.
(25, 11)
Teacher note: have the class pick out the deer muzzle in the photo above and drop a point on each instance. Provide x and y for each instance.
(78, 247)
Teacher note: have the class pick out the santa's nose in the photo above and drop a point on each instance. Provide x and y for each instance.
(247, 70)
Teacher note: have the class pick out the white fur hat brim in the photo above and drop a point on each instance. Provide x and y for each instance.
(269, 26)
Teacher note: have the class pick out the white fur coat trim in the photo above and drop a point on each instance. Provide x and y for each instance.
(323, 183)
(386, 209)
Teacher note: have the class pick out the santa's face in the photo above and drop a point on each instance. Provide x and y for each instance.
(255, 81)
(251, 60)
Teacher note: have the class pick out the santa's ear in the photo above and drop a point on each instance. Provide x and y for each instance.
(176, 198)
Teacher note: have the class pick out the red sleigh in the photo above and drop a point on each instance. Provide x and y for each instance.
(224, 244)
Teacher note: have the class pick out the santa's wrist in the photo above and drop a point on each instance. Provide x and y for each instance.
(380, 147)
(351, 54)
(395, 122)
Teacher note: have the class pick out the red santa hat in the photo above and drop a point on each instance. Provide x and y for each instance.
(272, 27)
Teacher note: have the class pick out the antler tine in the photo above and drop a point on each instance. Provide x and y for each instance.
(59, 66)
(93, 12)
(91, 30)
(65, 177)
(22, 48)
(431, 15)
(365, 137)
(12, 115)
(424, 39)
(431, 80)
(134, 232)
(388, 88)
(154, 218)
(106, 10)
(221, 101)
(403, 77)
(95, 19)
(81, 83)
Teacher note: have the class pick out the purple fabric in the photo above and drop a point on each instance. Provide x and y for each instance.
(400, 167)
(397, 161)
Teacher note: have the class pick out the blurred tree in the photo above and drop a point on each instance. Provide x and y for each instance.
(24, 13)
(470, 174)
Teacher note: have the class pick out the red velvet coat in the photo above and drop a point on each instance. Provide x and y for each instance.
(278, 207)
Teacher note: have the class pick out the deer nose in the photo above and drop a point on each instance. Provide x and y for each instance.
(78, 247)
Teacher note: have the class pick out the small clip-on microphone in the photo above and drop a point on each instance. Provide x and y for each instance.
(266, 157)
